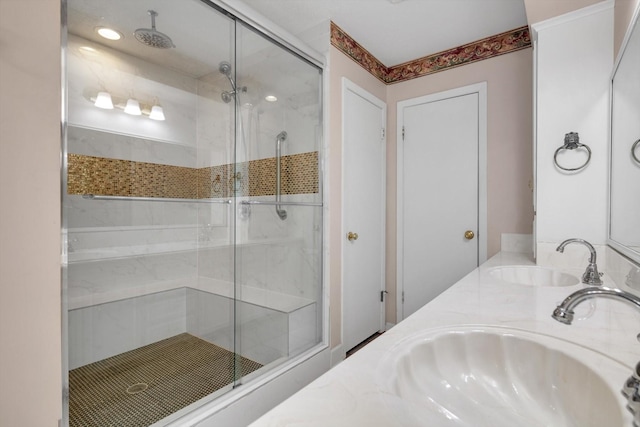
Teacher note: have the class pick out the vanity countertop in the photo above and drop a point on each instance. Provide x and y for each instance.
(350, 395)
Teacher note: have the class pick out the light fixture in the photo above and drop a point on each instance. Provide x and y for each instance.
(132, 107)
(103, 100)
(156, 113)
(109, 33)
(270, 98)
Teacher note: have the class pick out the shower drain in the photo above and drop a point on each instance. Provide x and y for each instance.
(137, 388)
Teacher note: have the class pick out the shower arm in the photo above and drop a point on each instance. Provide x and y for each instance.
(282, 136)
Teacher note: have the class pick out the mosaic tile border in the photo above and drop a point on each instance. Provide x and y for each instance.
(490, 47)
(114, 177)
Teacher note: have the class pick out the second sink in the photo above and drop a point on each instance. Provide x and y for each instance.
(532, 275)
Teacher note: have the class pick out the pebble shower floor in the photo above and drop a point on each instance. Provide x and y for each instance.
(145, 385)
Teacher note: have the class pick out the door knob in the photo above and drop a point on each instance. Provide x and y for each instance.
(351, 236)
(469, 235)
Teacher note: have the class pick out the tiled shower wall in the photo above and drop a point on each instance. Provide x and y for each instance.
(132, 262)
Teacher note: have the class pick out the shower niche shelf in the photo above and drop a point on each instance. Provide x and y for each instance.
(94, 244)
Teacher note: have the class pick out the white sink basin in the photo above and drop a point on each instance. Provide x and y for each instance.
(532, 275)
(495, 377)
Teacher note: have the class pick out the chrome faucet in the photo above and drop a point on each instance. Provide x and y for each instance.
(564, 314)
(591, 275)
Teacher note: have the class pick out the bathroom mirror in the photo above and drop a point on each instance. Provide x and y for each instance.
(624, 182)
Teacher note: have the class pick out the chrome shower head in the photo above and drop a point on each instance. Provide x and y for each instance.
(225, 68)
(151, 37)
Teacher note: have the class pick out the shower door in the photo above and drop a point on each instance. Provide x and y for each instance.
(278, 201)
(179, 283)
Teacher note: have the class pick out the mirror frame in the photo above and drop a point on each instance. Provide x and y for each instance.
(618, 246)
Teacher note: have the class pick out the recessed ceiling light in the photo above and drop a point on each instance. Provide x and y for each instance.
(109, 33)
(270, 98)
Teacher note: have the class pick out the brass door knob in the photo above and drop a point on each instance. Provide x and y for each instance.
(351, 236)
(469, 235)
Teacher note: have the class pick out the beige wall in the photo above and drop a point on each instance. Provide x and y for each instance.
(509, 146)
(30, 349)
(340, 66)
(509, 153)
(624, 11)
(540, 10)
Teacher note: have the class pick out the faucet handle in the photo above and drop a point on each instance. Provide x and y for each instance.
(631, 390)
(591, 275)
(634, 403)
(630, 387)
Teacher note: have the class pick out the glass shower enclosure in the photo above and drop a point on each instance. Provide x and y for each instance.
(192, 210)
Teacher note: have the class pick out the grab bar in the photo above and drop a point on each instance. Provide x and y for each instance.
(280, 203)
(282, 136)
(155, 199)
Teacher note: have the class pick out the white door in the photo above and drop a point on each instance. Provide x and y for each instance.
(441, 146)
(363, 204)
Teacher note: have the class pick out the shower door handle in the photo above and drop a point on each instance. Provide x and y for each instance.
(282, 136)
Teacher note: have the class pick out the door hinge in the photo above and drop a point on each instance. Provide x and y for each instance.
(403, 133)
(382, 295)
(403, 297)
(383, 133)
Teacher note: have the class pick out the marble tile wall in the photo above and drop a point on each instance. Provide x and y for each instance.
(124, 76)
(107, 280)
(133, 265)
(265, 334)
(303, 329)
(102, 331)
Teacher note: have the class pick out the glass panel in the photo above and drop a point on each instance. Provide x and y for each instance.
(181, 277)
(150, 267)
(278, 245)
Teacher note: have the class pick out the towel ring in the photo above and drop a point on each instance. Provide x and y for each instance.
(633, 151)
(571, 142)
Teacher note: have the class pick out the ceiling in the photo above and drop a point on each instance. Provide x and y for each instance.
(397, 31)
(394, 31)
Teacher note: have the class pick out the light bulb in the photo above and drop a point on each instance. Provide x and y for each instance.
(103, 100)
(156, 113)
(132, 107)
